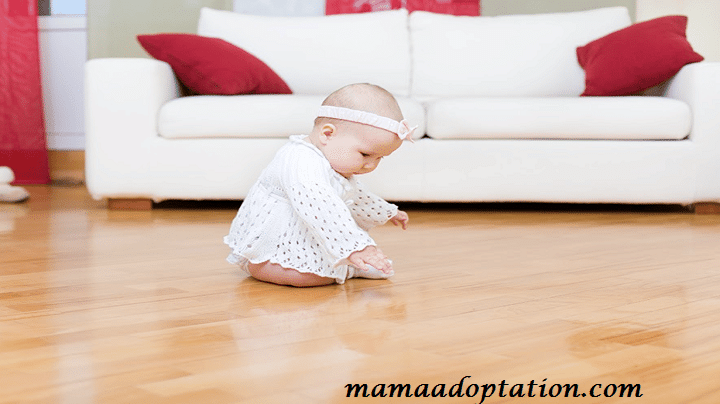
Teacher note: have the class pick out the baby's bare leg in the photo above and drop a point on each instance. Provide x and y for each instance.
(274, 273)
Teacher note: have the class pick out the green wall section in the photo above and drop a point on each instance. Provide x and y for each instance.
(504, 7)
(114, 24)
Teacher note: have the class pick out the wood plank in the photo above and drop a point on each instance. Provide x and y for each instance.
(127, 306)
(67, 166)
(129, 204)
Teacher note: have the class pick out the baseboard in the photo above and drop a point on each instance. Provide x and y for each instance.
(67, 166)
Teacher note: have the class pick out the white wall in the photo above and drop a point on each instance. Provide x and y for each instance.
(63, 52)
(703, 30)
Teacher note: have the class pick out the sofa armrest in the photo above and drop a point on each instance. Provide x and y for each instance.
(698, 85)
(122, 99)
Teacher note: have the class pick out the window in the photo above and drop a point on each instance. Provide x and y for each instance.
(61, 7)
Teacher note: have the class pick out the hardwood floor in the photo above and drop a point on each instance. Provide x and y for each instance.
(102, 306)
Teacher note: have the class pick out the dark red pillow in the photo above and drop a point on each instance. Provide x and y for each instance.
(212, 66)
(637, 57)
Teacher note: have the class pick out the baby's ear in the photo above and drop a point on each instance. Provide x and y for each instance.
(327, 131)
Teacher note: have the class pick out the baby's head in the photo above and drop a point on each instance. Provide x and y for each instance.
(357, 126)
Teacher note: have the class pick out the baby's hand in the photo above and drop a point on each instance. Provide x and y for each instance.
(401, 219)
(370, 255)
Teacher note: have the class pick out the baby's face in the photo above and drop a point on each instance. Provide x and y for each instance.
(358, 149)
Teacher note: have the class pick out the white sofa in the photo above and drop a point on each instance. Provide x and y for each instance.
(497, 101)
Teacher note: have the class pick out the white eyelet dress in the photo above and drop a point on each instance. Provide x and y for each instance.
(303, 215)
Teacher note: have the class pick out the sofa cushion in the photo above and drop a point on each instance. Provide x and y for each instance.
(518, 55)
(317, 55)
(607, 118)
(636, 58)
(212, 65)
(263, 116)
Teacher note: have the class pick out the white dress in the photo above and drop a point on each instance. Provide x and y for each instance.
(303, 215)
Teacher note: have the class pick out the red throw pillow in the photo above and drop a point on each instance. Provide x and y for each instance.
(212, 66)
(637, 57)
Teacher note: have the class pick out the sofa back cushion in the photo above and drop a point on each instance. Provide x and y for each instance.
(518, 55)
(317, 55)
(562, 118)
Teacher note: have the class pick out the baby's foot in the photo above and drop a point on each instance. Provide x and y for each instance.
(371, 273)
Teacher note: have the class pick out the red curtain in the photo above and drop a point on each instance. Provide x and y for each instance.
(455, 7)
(23, 146)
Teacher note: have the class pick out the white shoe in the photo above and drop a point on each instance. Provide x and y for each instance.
(9, 193)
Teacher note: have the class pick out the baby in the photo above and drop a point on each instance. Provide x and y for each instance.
(305, 221)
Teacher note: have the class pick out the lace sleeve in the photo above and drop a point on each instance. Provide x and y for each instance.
(369, 210)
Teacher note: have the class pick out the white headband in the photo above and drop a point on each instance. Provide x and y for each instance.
(402, 128)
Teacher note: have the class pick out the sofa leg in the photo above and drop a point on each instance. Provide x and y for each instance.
(129, 204)
(707, 208)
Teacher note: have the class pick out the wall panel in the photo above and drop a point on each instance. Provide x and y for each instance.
(114, 24)
(504, 7)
